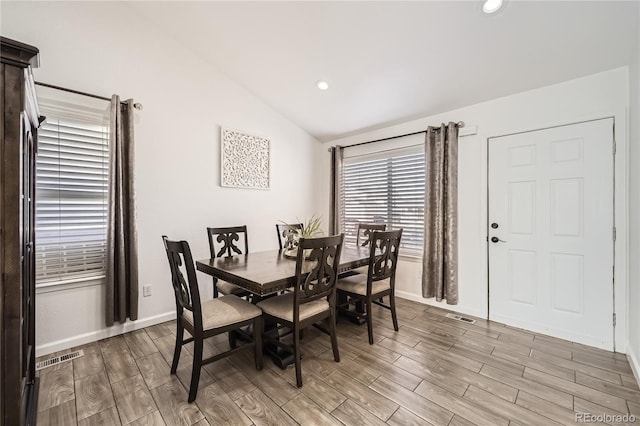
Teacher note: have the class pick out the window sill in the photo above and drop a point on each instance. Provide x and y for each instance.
(414, 258)
(63, 285)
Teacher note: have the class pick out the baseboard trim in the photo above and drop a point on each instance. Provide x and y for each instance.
(432, 302)
(633, 361)
(93, 336)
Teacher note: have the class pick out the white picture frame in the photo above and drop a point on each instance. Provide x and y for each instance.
(245, 160)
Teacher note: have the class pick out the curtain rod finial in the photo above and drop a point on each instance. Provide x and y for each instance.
(460, 123)
(138, 106)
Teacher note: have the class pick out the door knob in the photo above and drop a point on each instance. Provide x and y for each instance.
(494, 225)
(497, 240)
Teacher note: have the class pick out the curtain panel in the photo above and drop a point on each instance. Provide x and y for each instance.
(440, 258)
(335, 213)
(122, 251)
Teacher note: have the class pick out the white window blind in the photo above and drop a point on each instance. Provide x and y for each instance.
(72, 176)
(388, 188)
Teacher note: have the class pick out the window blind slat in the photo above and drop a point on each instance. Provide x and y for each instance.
(72, 178)
(386, 190)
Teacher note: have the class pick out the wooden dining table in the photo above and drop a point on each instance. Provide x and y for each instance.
(265, 273)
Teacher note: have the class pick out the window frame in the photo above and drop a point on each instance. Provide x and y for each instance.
(399, 153)
(90, 118)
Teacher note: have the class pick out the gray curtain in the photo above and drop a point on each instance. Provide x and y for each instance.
(335, 214)
(122, 251)
(440, 258)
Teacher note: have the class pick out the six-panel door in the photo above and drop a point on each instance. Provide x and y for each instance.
(551, 231)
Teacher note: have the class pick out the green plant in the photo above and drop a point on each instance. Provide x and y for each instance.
(311, 228)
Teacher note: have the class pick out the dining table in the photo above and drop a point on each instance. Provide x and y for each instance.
(265, 273)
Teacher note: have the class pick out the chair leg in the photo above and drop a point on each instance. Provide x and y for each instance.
(258, 329)
(215, 288)
(178, 348)
(334, 335)
(195, 371)
(392, 304)
(369, 322)
(233, 339)
(296, 354)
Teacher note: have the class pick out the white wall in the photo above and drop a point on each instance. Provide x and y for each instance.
(633, 349)
(601, 95)
(104, 48)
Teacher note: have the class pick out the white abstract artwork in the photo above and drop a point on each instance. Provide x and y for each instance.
(245, 160)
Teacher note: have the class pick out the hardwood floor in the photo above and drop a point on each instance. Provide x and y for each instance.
(435, 371)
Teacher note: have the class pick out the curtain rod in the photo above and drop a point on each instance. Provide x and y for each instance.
(459, 124)
(137, 105)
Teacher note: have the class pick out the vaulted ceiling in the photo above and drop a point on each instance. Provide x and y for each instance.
(388, 62)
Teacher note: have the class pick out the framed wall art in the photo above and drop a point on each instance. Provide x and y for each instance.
(245, 160)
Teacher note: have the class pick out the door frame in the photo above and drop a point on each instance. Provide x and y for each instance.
(620, 220)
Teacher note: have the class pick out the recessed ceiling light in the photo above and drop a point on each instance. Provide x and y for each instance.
(491, 6)
(322, 85)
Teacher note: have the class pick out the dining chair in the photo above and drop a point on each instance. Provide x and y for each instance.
(364, 231)
(314, 296)
(379, 281)
(225, 314)
(285, 233)
(363, 238)
(223, 242)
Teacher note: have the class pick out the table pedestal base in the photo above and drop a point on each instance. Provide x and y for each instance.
(349, 313)
(280, 356)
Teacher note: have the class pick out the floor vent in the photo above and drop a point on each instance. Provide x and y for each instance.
(59, 359)
(463, 319)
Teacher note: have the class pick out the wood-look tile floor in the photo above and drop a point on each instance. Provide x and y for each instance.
(435, 370)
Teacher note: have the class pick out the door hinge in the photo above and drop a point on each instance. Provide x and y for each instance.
(614, 147)
(614, 319)
(614, 233)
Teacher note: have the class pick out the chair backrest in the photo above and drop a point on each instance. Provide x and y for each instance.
(185, 290)
(320, 258)
(364, 231)
(223, 241)
(285, 233)
(383, 256)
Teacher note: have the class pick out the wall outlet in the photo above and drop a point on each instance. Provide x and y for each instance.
(146, 290)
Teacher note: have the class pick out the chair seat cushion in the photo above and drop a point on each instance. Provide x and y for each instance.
(228, 288)
(282, 307)
(357, 284)
(223, 311)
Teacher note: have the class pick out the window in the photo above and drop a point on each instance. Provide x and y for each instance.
(386, 187)
(72, 176)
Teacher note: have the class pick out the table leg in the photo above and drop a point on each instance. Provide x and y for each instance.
(280, 356)
(351, 314)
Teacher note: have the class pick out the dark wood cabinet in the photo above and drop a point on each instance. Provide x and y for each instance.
(18, 144)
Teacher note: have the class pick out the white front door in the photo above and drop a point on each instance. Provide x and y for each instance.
(551, 231)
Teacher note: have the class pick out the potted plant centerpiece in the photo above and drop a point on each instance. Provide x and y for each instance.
(310, 229)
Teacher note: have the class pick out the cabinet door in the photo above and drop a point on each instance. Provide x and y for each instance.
(28, 283)
(11, 239)
(27, 216)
